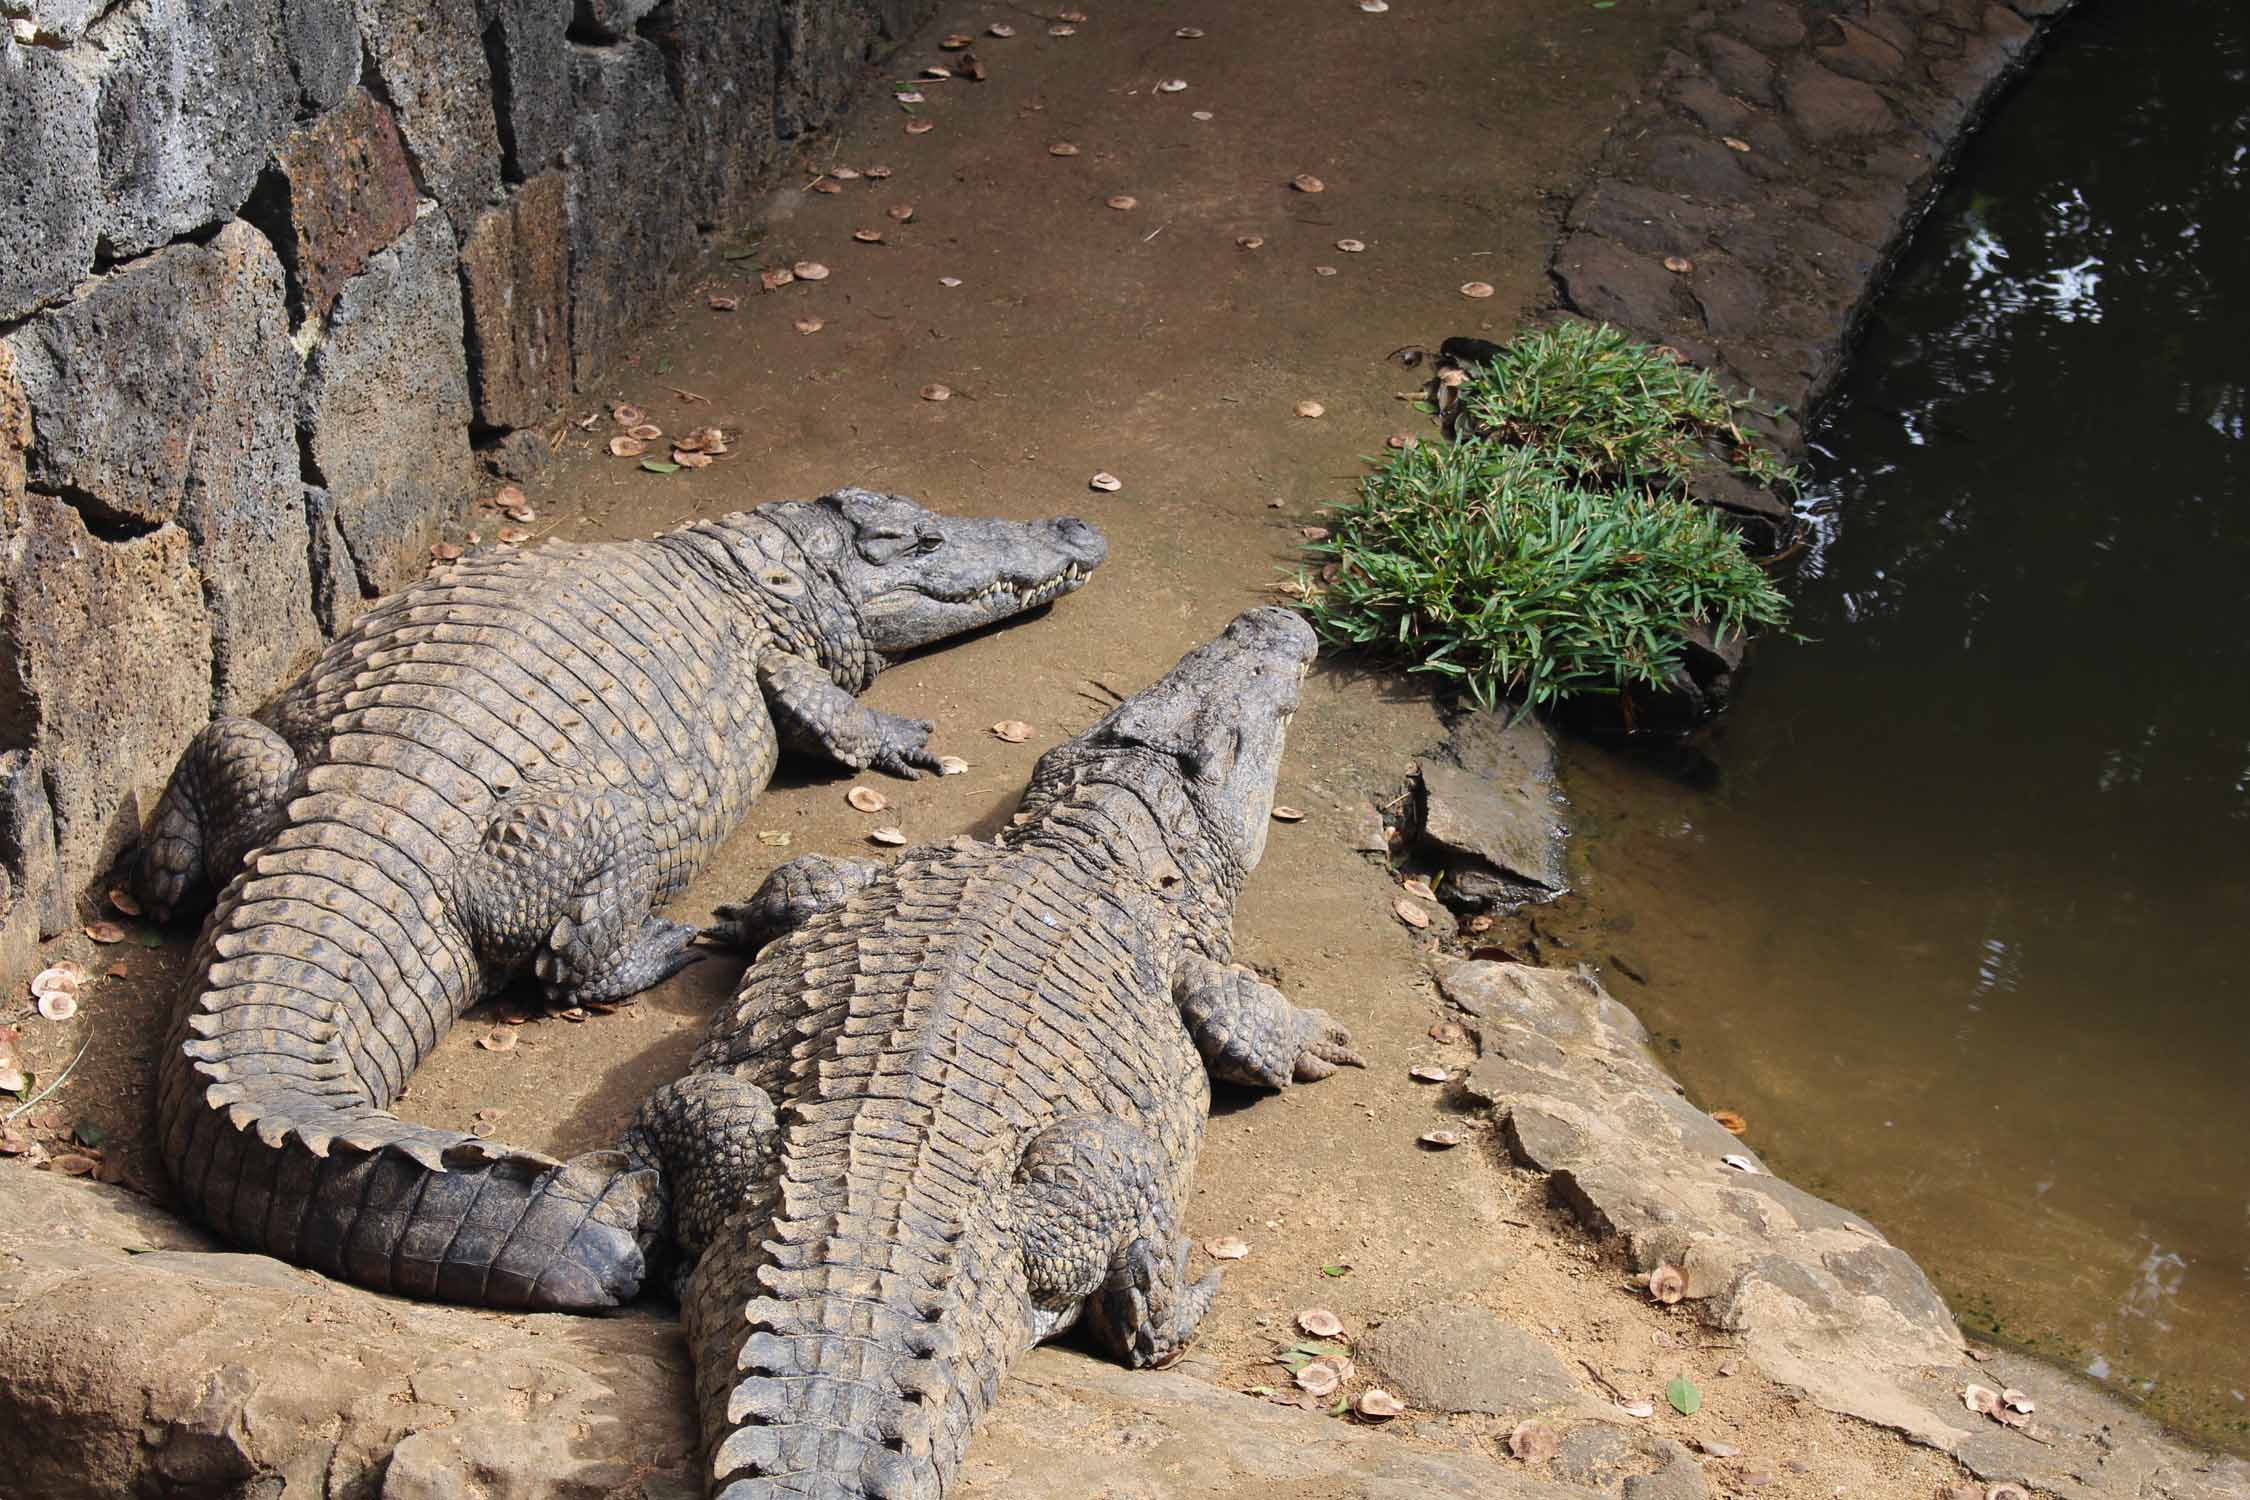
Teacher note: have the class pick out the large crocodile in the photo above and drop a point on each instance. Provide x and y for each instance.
(956, 1104)
(507, 766)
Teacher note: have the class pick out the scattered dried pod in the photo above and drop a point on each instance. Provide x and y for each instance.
(2007, 1490)
(1448, 1032)
(1226, 1247)
(1313, 533)
(1351, 247)
(810, 325)
(1062, 148)
(1324, 270)
(627, 416)
(1062, 31)
(1639, 1409)
(1000, 29)
(919, 127)
(1735, 143)
(1480, 923)
(2019, 1400)
(1678, 265)
(1742, 1164)
(1534, 1442)
(908, 96)
(647, 432)
(13, 1079)
(1666, 1284)
(1417, 887)
(878, 172)
(1439, 1140)
(1106, 482)
(1730, 1122)
(691, 458)
(57, 980)
(844, 174)
(498, 1039)
(955, 41)
(777, 278)
(1123, 201)
(867, 799)
(900, 212)
(1452, 379)
(887, 835)
(935, 392)
(937, 74)
(509, 496)
(1320, 1377)
(1405, 442)
(1476, 289)
(1305, 182)
(951, 765)
(1320, 1322)
(1283, 813)
(1410, 914)
(949, 281)
(1070, 15)
(1014, 731)
(1172, 86)
(1428, 1073)
(1199, 114)
(105, 932)
(513, 536)
(868, 236)
(1379, 1405)
(627, 447)
(1189, 33)
(827, 185)
(1311, 409)
(58, 1005)
(521, 513)
(74, 1164)
(809, 270)
(1250, 241)
(1980, 1399)
(122, 900)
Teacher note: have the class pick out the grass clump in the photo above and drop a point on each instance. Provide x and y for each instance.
(1557, 554)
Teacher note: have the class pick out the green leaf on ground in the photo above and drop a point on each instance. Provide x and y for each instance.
(739, 252)
(1686, 1397)
(658, 466)
(90, 1133)
(1335, 1270)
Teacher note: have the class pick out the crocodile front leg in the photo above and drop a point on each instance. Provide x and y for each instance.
(1097, 1202)
(228, 795)
(712, 1139)
(567, 879)
(813, 714)
(792, 895)
(1249, 1032)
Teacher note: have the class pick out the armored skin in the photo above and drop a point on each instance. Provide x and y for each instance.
(507, 767)
(956, 1104)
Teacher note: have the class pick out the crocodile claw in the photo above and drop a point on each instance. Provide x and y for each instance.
(1329, 1048)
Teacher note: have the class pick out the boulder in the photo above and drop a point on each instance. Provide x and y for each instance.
(385, 406)
(1501, 839)
(192, 95)
(340, 189)
(515, 284)
(429, 57)
(50, 206)
(164, 394)
(1465, 1359)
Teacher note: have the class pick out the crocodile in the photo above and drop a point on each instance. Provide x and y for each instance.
(506, 768)
(956, 1103)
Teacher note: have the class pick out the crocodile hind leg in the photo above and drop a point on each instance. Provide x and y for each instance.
(567, 879)
(814, 714)
(712, 1139)
(228, 794)
(792, 895)
(1249, 1032)
(1097, 1202)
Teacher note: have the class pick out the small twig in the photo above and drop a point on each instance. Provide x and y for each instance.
(1604, 1382)
(688, 395)
(1153, 233)
(60, 1080)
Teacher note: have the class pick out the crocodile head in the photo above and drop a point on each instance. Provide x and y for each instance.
(916, 577)
(1200, 747)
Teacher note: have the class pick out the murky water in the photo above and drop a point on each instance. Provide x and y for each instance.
(1961, 918)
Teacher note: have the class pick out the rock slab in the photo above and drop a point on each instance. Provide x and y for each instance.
(1465, 1359)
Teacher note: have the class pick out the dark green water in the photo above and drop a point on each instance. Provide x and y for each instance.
(1963, 925)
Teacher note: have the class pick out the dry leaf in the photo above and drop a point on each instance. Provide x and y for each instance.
(1639, 1409)
(935, 74)
(936, 392)
(951, 765)
(810, 325)
(1320, 1322)
(1374, 7)
(1283, 813)
(1172, 86)
(1733, 1123)
(1428, 1073)
(57, 980)
(1351, 247)
(508, 496)
(949, 281)
(122, 900)
(1666, 1284)
(1449, 1033)
(878, 172)
(1678, 265)
(809, 270)
(1250, 241)
(900, 212)
(2018, 1400)
(1742, 1164)
(1439, 1140)
(825, 186)
(1405, 442)
(1311, 409)
(627, 416)
(691, 458)
(1534, 1442)
(58, 1005)
(867, 799)
(1106, 482)
(1378, 1404)
(1319, 1377)
(844, 174)
(627, 447)
(1062, 31)
(1226, 1247)
(1452, 379)
(1313, 533)
(777, 278)
(1070, 15)
(1014, 731)
(72, 1164)
(498, 1039)
(919, 127)
(773, 838)
(1980, 1399)
(1062, 148)
(1123, 201)
(513, 536)
(868, 236)
(887, 835)
(1476, 289)
(1324, 270)
(1000, 29)
(1410, 914)
(105, 932)
(955, 41)
(1189, 33)
(521, 513)
(1735, 143)
(1418, 888)
(1305, 182)
(1199, 114)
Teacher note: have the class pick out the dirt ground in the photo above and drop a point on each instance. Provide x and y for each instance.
(1145, 342)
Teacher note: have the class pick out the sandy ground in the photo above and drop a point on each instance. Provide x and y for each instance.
(1147, 343)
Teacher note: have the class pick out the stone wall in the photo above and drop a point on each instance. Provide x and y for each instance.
(280, 281)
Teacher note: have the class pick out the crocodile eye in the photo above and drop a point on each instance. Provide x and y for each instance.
(928, 545)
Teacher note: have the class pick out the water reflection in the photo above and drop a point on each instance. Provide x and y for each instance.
(1958, 926)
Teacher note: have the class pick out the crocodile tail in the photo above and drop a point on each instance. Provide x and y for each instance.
(843, 1366)
(321, 981)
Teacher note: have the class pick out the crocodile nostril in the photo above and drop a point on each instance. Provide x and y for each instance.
(1084, 539)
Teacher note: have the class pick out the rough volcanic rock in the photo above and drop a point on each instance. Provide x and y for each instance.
(1465, 1359)
(526, 45)
(515, 284)
(429, 58)
(339, 191)
(192, 95)
(322, 40)
(105, 668)
(49, 204)
(337, 594)
(385, 405)
(608, 20)
(1496, 818)
(165, 393)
